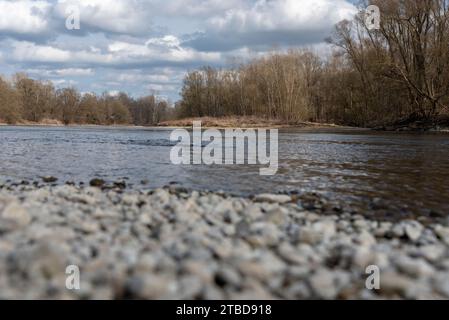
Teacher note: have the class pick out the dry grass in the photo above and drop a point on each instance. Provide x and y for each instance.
(43, 122)
(225, 122)
(239, 122)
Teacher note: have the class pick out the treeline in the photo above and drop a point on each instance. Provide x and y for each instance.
(399, 73)
(27, 100)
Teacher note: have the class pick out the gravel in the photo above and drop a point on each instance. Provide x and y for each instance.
(174, 244)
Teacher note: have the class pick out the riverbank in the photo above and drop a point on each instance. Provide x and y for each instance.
(170, 243)
(59, 124)
(252, 122)
(440, 124)
(243, 122)
(207, 122)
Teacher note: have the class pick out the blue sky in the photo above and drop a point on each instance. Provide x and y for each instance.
(146, 46)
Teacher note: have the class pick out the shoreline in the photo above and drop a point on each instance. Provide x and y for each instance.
(170, 243)
(246, 123)
(169, 125)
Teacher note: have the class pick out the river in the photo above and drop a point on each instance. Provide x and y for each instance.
(402, 172)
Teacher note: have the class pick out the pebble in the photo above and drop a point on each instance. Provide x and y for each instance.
(14, 216)
(442, 233)
(272, 198)
(323, 285)
(49, 179)
(174, 244)
(414, 267)
(413, 230)
(97, 183)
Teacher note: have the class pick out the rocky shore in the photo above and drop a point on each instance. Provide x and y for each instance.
(173, 244)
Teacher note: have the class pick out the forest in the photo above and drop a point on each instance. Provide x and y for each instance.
(398, 73)
(25, 100)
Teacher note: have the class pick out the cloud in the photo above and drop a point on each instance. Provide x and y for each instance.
(268, 23)
(24, 18)
(154, 76)
(196, 8)
(75, 72)
(61, 83)
(118, 54)
(130, 17)
(68, 72)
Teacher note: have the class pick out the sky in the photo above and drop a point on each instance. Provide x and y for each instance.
(146, 46)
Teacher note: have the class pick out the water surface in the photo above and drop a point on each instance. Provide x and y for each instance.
(408, 172)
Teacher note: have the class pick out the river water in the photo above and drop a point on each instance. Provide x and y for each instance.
(405, 172)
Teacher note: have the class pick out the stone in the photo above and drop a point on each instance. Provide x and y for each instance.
(309, 236)
(150, 286)
(363, 257)
(413, 230)
(161, 244)
(323, 285)
(273, 198)
(298, 290)
(365, 239)
(326, 227)
(227, 276)
(398, 230)
(414, 267)
(253, 213)
(432, 252)
(254, 269)
(289, 254)
(382, 230)
(49, 179)
(277, 216)
(263, 234)
(120, 184)
(442, 233)
(441, 284)
(97, 183)
(318, 232)
(361, 224)
(392, 284)
(14, 216)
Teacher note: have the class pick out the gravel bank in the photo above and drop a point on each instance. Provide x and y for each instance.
(169, 244)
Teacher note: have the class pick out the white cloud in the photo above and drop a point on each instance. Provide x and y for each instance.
(197, 8)
(77, 72)
(64, 83)
(166, 49)
(116, 16)
(68, 72)
(160, 78)
(268, 15)
(29, 51)
(24, 17)
(162, 87)
(268, 23)
(118, 53)
(113, 93)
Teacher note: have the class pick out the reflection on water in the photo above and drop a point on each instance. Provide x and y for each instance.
(406, 171)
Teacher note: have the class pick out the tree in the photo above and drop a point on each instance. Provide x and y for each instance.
(68, 102)
(36, 97)
(10, 106)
